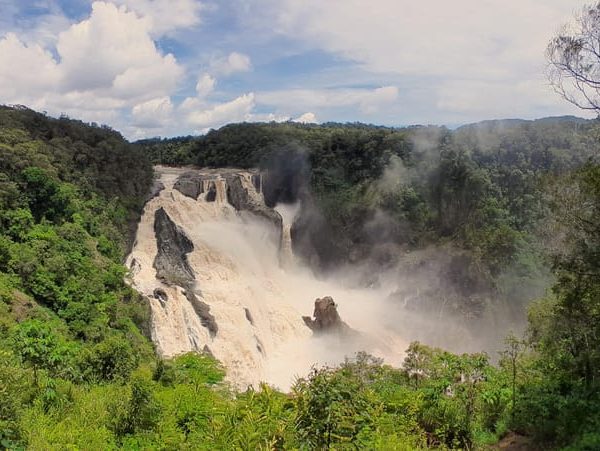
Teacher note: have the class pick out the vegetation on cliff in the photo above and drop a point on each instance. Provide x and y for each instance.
(69, 195)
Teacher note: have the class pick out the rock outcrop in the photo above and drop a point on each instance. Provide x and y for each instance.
(327, 319)
(202, 309)
(242, 200)
(190, 184)
(171, 262)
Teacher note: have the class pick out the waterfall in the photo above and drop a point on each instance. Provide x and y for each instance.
(288, 213)
(245, 282)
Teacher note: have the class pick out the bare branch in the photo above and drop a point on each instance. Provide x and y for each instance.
(574, 60)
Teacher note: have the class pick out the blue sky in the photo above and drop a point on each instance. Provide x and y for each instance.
(170, 67)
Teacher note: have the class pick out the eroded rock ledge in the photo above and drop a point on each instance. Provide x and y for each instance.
(190, 184)
(242, 200)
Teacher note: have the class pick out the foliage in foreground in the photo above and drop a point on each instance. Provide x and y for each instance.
(443, 401)
(437, 400)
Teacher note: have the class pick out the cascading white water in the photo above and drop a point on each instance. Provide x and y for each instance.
(288, 214)
(257, 302)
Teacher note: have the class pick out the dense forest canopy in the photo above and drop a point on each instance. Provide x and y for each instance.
(77, 371)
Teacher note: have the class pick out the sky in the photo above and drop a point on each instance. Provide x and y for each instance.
(178, 67)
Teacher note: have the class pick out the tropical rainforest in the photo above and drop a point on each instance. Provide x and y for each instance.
(512, 204)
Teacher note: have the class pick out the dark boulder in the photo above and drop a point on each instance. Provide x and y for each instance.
(171, 262)
(249, 316)
(327, 319)
(206, 350)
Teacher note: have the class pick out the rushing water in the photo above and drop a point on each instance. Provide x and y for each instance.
(256, 290)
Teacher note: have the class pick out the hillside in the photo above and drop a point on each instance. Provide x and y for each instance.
(490, 213)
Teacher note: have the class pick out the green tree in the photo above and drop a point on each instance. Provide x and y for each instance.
(38, 346)
(139, 412)
(110, 360)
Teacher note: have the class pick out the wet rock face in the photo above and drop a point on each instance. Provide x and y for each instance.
(157, 187)
(326, 318)
(241, 200)
(211, 193)
(202, 309)
(190, 185)
(171, 262)
(134, 267)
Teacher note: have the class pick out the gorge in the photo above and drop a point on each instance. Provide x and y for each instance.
(215, 264)
(410, 245)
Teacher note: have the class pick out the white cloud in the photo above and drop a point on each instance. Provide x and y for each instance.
(470, 100)
(367, 101)
(488, 38)
(112, 49)
(267, 117)
(104, 63)
(44, 30)
(307, 118)
(165, 16)
(234, 62)
(431, 43)
(154, 113)
(373, 101)
(25, 71)
(206, 85)
(236, 110)
(191, 104)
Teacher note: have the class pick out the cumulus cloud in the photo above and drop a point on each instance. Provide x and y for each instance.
(154, 113)
(103, 63)
(470, 99)
(366, 100)
(25, 71)
(113, 49)
(206, 85)
(165, 16)
(426, 37)
(234, 62)
(427, 43)
(307, 118)
(236, 110)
